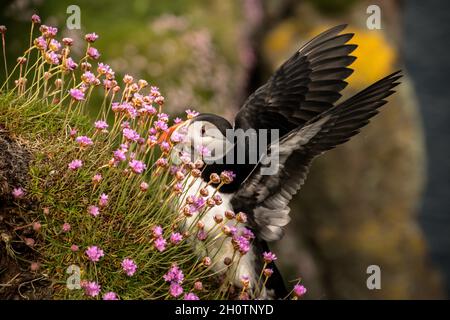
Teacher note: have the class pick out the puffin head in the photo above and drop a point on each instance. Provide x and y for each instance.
(202, 137)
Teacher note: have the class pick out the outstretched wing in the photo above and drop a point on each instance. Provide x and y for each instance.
(304, 86)
(266, 197)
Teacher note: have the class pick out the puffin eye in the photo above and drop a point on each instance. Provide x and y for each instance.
(203, 131)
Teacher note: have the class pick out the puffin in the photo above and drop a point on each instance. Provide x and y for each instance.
(278, 132)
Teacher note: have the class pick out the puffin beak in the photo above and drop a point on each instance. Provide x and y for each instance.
(165, 136)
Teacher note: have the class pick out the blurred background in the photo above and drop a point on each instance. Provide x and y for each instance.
(383, 198)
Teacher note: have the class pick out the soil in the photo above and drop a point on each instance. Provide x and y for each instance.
(17, 281)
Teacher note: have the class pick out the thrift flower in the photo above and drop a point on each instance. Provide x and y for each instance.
(137, 166)
(92, 288)
(143, 186)
(75, 164)
(160, 244)
(70, 64)
(119, 155)
(66, 227)
(18, 193)
(174, 275)
(103, 201)
(94, 253)
(269, 257)
(157, 231)
(130, 134)
(97, 178)
(129, 267)
(93, 53)
(241, 244)
(35, 19)
(191, 113)
(84, 141)
(91, 37)
(110, 296)
(191, 296)
(101, 125)
(76, 94)
(175, 289)
(74, 248)
(93, 211)
(176, 238)
(299, 290)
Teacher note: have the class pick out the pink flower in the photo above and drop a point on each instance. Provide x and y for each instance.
(176, 238)
(101, 125)
(93, 211)
(76, 94)
(40, 43)
(97, 178)
(91, 288)
(66, 227)
(130, 134)
(269, 257)
(74, 248)
(165, 146)
(67, 41)
(88, 77)
(18, 193)
(103, 201)
(175, 289)
(110, 296)
(35, 19)
(247, 233)
(70, 64)
(51, 57)
(73, 132)
(119, 155)
(191, 113)
(161, 162)
(137, 166)
(157, 231)
(174, 275)
(160, 244)
(93, 53)
(94, 253)
(129, 267)
(198, 286)
(91, 37)
(37, 226)
(143, 186)
(299, 290)
(241, 244)
(191, 296)
(84, 141)
(75, 164)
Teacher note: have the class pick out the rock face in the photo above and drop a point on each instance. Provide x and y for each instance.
(18, 282)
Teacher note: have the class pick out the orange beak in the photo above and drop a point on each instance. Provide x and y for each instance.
(165, 136)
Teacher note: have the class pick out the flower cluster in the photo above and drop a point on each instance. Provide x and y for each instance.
(133, 197)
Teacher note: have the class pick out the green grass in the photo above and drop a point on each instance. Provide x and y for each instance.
(122, 230)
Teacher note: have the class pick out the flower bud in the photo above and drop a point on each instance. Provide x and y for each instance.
(204, 192)
(241, 217)
(218, 218)
(229, 214)
(206, 261)
(214, 178)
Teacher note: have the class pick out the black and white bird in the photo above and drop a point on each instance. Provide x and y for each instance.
(299, 102)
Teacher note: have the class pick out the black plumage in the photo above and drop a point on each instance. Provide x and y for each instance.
(299, 100)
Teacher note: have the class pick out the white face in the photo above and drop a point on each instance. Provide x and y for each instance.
(202, 140)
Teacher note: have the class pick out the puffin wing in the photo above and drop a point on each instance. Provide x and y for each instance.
(304, 86)
(265, 197)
